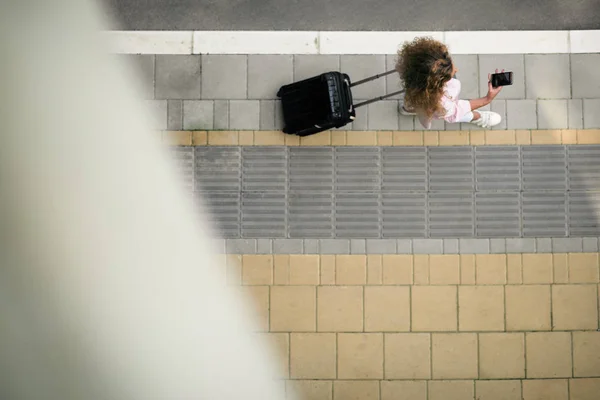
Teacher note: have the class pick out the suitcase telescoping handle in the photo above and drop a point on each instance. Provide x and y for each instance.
(372, 78)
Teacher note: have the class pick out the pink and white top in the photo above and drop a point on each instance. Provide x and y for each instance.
(456, 109)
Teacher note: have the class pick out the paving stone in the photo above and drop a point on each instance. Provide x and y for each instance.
(244, 114)
(543, 245)
(178, 77)
(407, 123)
(452, 126)
(267, 115)
(468, 75)
(362, 66)
(278, 116)
(264, 246)
(358, 246)
(428, 246)
(392, 81)
(547, 76)
(158, 114)
(381, 246)
(552, 114)
(450, 246)
(334, 246)
(198, 114)
(309, 65)
(383, 115)
(143, 66)
(509, 62)
(584, 76)
(311, 246)
(567, 245)
(521, 114)
(436, 125)
(267, 73)
(288, 246)
(224, 77)
(591, 113)
(575, 113)
(221, 113)
(404, 246)
(474, 246)
(497, 246)
(499, 106)
(241, 246)
(519, 245)
(590, 245)
(174, 115)
(361, 121)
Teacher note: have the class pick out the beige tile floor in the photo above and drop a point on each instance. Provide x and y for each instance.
(438, 327)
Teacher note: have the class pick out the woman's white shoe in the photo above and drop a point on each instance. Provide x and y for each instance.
(487, 119)
(403, 110)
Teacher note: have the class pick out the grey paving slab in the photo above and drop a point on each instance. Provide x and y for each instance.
(567, 245)
(358, 246)
(403, 215)
(575, 113)
(498, 214)
(583, 165)
(224, 77)
(362, 66)
(241, 246)
(267, 115)
(264, 246)
(143, 67)
(157, 110)
(544, 214)
(225, 212)
(392, 82)
(198, 114)
(499, 106)
(436, 125)
(404, 246)
(468, 75)
(591, 113)
(543, 245)
(361, 122)
(584, 76)
(244, 114)
(383, 115)
(474, 246)
(407, 123)
(264, 169)
(451, 168)
(309, 65)
(381, 246)
(451, 246)
(288, 246)
(404, 169)
(311, 246)
(497, 168)
(552, 114)
(544, 167)
(311, 169)
(509, 62)
(520, 245)
(428, 246)
(451, 214)
(278, 116)
(357, 215)
(221, 112)
(334, 246)
(178, 77)
(521, 114)
(584, 212)
(498, 246)
(218, 169)
(547, 76)
(590, 244)
(357, 169)
(174, 115)
(267, 73)
(183, 156)
(310, 215)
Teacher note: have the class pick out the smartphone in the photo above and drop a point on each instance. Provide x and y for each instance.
(502, 79)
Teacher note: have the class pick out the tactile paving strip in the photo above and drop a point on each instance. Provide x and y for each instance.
(397, 192)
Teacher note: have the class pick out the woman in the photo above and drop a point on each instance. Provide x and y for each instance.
(428, 74)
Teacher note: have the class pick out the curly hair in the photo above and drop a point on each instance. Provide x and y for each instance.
(424, 66)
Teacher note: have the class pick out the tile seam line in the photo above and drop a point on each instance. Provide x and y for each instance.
(303, 42)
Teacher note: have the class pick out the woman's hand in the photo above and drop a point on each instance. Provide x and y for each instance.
(492, 91)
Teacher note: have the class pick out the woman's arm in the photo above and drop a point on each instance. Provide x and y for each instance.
(484, 101)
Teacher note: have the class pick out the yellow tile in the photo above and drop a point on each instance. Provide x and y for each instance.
(546, 137)
(528, 308)
(327, 270)
(477, 138)
(407, 138)
(360, 356)
(355, 390)
(407, 356)
(454, 355)
(569, 136)
(309, 389)
(444, 269)
(279, 344)
(523, 136)
(293, 308)
(281, 269)
(498, 390)
(501, 355)
(318, 139)
(177, 138)
(586, 354)
(434, 308)
(387, 308)
(561, 268)
(500, 137)
(246, 138)
(292, 140)
(385, 138)
(257, 269)
(454, 138)
(199, 138)
(451, 390)
(338, 138)
(340, 309)
(223, 138)
(269, 138)
(543, 389)
(374, 270)
(421, 269)
(583, 268)
(258, 296)
(234, 269)
(584, 389)
(491, 269)
(548, 354)
(588, 136)
(514, 269)
(431, 138)
(304, 269)
(350, 269)
(361, 138)
(403, 390)
(574, 307)
(467, 269)
(397, 269)
(481, 308)
(312, 356)
(537, 268)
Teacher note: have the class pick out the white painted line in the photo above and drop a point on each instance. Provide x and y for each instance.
(150, 42)
(349, 42)
(255, 42)
(585, 41)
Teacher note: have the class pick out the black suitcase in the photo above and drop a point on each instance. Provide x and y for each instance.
(322, 102)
